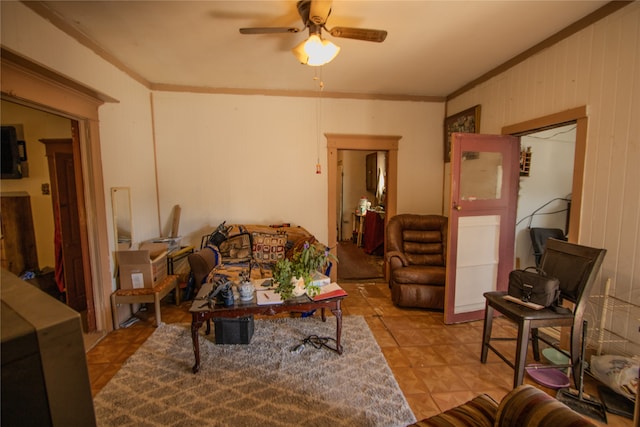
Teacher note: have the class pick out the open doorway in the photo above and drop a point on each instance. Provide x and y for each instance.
(367, 144)
(360, 216)
(575, 118)
(546, 179)
(43, 184)
(44, 90)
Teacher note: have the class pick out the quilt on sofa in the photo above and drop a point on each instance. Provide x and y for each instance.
(254, 249)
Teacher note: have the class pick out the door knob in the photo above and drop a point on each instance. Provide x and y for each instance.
(457, 207)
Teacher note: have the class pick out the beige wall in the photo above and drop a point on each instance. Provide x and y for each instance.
(597, 67)
(252, 158)
(209, 153)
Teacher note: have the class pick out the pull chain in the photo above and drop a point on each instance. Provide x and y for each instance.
(318, 116)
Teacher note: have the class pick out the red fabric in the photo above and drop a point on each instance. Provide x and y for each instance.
(57, 243)
(373, 240)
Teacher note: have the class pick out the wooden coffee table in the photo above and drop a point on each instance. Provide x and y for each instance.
(200, 312)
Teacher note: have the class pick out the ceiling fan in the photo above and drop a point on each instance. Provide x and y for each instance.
(316, 51)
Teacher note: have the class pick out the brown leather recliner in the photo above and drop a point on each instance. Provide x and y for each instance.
(416, 252)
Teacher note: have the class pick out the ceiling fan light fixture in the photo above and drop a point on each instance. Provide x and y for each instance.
(315, 52)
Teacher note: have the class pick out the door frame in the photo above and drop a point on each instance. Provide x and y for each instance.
(72, 280)
(36, 87)
(578, 116)
(335, 142)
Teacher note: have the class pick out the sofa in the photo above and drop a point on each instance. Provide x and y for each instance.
(249, 249)
(524, 406)
(416, 252)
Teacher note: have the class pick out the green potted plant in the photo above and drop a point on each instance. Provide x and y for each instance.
(294, 277)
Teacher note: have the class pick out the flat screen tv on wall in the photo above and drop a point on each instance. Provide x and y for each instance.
(10, 155)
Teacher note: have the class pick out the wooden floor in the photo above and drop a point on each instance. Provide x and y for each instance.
(355, 264)
(437, 366)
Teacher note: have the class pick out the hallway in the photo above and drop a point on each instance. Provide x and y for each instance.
(355, 264)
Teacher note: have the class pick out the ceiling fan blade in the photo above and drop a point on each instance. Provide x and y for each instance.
(319, 11)
(269, 30)
(359, 34)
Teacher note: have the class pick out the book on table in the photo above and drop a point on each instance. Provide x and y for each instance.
(269, 296)
(332, 290)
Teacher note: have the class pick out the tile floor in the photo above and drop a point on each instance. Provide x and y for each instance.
(437, 366)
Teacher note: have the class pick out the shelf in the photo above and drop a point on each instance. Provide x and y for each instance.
(525, 162)
(615, 329)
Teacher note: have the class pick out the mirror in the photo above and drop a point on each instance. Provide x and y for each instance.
(122, 224)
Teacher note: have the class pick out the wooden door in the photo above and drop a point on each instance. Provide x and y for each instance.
(19, 252)
(66, 191)
(482, 212)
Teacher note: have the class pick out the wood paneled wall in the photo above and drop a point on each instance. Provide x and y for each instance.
(598, 67)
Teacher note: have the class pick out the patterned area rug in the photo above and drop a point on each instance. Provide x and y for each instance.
(262, 383)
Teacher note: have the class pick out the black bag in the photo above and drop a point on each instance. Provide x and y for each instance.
(534, 286)
(219, 235)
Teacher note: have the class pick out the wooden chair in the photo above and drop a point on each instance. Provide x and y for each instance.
(576, 267)
(145, 295)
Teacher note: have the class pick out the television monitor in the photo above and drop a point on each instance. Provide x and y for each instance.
(10, 154)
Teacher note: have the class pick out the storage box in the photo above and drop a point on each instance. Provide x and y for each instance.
(173, 243)
(233, 331)
(144, 267)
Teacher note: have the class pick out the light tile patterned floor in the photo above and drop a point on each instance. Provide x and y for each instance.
(437, 366)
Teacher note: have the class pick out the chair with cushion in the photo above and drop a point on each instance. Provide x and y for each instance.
(576, 267)
(416, 253)
(202, 262)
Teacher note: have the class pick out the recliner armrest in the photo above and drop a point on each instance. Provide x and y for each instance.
(403, 258)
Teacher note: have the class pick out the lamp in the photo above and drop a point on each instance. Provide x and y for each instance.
(314, 51)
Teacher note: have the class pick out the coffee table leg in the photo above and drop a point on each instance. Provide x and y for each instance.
(196, 324)
(337, 312)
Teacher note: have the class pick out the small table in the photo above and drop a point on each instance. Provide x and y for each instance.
(200, 313)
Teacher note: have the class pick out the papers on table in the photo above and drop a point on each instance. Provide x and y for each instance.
(267, 297)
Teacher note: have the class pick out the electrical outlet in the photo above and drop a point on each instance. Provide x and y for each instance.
(45, 189)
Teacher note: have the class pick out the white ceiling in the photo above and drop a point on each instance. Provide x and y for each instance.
(433, 48)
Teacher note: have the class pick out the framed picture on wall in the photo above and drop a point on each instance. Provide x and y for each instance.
(467, 121)
(372, 172)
